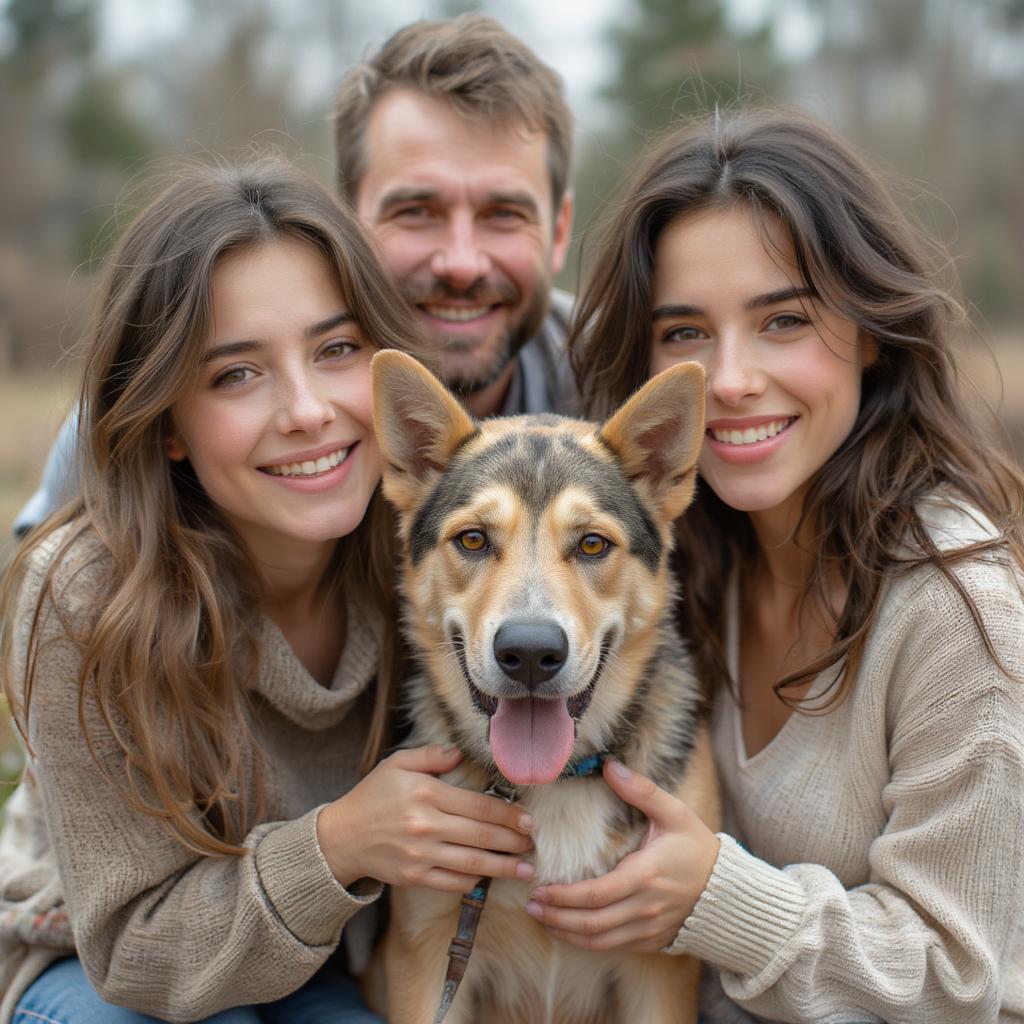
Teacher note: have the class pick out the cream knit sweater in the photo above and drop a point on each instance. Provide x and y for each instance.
(158, 928)
(881, 871)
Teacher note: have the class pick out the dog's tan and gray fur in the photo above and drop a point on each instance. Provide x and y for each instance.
(539, 489)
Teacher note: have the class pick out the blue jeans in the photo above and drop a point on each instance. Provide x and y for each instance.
(62, 995)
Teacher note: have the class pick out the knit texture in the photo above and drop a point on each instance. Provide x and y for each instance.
(881, 871)
(158, 928)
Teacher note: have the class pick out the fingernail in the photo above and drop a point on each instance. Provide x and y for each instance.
(538, 894)
(526, 822)
(618, 769)
(449, 748)
(534, 909)
(524, 870)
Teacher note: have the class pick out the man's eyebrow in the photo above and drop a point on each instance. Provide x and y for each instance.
(757, 302)
(234, 348)
(407, 194)
(514, 198)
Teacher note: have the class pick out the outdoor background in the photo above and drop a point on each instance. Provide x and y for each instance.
(97, 95)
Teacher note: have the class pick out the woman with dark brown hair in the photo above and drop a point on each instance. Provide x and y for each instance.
(850, 578)
(200, 652)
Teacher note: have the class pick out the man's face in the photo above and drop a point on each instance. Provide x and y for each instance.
(463, 213)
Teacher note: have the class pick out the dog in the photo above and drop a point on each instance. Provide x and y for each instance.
(539, 602)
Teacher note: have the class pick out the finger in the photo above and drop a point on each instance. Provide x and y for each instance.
(434, 759)
(593, 922)
(643, 794)
(466, 860)
(635, 937)
(483, 836)
(480, 807)
(594, 893)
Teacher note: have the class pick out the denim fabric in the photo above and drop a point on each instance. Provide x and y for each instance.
(63, 995)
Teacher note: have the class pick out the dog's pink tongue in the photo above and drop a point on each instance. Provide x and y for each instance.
(531, 739)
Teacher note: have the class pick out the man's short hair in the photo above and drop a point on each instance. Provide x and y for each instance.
(471, 62)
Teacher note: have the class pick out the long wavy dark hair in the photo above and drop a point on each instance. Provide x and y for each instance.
(172, 644)
(914, 434)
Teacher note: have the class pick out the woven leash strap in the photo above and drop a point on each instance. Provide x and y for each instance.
(462, 945)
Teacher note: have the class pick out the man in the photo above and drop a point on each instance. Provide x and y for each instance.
(453, 144)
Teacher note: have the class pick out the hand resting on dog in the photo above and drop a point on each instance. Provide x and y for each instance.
(640, 905)
(402, 826)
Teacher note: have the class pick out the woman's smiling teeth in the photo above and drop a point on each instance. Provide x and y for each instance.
(752, 434)
(311, 467)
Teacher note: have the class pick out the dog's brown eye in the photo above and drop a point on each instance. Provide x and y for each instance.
(593, 544)
(472, 540)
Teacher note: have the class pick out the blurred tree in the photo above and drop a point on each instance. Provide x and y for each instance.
(40, 34)
(935, 85)
(669, 58)
(239, 91)
(453, 8)
(47, 48)
(96, 125)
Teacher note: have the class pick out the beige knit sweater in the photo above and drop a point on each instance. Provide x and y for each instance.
(158, 928)
(882, 877)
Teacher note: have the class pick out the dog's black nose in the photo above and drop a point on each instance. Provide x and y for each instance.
(530, 652)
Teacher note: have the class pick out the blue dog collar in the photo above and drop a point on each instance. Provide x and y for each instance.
(588, 765)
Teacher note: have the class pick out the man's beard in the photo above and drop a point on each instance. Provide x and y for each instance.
(502, 292)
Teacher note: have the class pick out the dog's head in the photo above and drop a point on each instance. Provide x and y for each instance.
(535, 557)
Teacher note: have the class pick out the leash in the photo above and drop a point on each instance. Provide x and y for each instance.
(471, 907)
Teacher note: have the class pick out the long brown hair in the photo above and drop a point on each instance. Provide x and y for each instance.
(913, 436)
(171, 647)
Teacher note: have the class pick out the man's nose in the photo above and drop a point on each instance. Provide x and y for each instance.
(301, 406)
(735, 373)
(459, 260)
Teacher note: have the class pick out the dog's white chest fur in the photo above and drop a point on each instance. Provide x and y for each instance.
(573, 821)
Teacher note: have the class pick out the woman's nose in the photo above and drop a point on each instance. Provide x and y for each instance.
(302, 407)
(734, 374)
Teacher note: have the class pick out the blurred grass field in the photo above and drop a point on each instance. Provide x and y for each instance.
(32, 407)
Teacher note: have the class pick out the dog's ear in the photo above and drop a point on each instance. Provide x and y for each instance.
(417, 422)
(658, 434)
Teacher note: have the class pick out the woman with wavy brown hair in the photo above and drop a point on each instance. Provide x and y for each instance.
(201, 651)
(850, 582)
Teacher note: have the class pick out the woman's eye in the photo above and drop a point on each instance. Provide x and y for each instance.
(337, 349)
(234, 375)
(786, 321)
(684, 334)
(592, 545)
(472, 540)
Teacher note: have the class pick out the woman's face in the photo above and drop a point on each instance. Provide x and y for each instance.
(783, 372)
(279, 428)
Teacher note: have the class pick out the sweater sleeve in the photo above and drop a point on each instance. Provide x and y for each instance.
(157, 927)
(929, 937)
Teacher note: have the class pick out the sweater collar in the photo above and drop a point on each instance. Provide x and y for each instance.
(286, 684)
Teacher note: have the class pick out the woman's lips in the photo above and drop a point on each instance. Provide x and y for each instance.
(744, 441)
